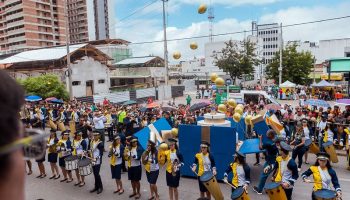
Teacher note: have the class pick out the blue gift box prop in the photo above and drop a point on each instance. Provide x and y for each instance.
(261, 128)
(144, 134)
(240, 127)
(222, 147)
(250, 146)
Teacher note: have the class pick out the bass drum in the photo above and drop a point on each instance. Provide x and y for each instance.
(210, 182)
(275, 191)
(325, 194)
(239, 194)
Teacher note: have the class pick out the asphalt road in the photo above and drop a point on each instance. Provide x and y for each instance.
(53, 189)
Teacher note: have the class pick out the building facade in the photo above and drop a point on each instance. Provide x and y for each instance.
(89, 20)
(31, 24)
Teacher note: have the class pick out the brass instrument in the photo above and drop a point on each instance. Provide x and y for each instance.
(175, 166)
(127, 151)
(144, 157)
(52, 148)
(110, 153)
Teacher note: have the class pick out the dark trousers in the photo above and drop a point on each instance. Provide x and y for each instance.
(298, 152)
(289, 193)
(98, 181)
(110, 133)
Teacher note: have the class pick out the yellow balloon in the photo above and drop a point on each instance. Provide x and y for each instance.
(236, 117)
(222, 108)
(219, 81)
(213, 77)
(248, 120)
(240, 105)
(175, 132)
(163, 146)
(176, 55)
(202, 8)
(193, 46)
(232, 103)
(239, 110)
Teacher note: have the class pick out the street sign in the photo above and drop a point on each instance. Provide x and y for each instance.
(222, 95)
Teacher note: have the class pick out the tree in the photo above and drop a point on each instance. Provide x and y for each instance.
(45, 86)
(237, 59)
(296, 66)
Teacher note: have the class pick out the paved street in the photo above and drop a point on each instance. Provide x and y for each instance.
(53, 189)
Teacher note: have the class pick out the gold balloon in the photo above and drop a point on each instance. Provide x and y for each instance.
(213, 77)
(240, 105)
(176, 55)
(222, 108)
(163, 146)
(239, 110)
(236, 117)
(202, 8)
(232, 103)
(219, 81)
(248, 120)
(193, 46)
(175, 132)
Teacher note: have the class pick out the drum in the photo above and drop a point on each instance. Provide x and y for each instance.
(308, 142)
(72, 127)
(239, 194)
(314, 148)
(61, 126)
(52, 125)
(85, 167)
(71, 162)
(325, 194)
(329, 148)
(275, 191)
(209, 181)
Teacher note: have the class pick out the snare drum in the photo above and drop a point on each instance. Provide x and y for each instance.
(71, 162)
(308, 142)
(325, 194)
(275, 191)
(239, 194)
(209, 181)
(85, 167)
(329, 148)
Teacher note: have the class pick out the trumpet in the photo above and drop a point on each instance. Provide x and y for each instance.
(175, 167)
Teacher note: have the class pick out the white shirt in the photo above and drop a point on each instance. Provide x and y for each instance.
(98, 122)
(241, 175)
(206, 163)
(306, 132)
(116, 151)
(326, 178)
(321, 125)
(286, 173)
(134, 162)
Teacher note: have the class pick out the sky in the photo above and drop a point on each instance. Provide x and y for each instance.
(140, 21)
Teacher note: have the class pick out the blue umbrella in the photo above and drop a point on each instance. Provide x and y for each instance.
(317, 102)
(58, 101)
(33, 98)
(130, 102)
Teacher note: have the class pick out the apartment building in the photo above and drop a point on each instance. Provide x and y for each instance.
(26, 24)
(89, 20)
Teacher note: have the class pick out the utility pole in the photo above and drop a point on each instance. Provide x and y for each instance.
(69, 74)
(165, 45)
(280, 67)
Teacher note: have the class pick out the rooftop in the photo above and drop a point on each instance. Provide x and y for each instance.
(147, 61)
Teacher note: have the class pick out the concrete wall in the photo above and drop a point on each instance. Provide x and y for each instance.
(90, 69)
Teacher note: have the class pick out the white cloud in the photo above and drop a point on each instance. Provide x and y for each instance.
(140, 30)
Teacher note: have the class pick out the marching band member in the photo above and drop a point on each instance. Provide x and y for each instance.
(323, 175)
(36, 123)
(347, 143)
(240, 171)
(299, 145)
(52, 154)
(116, 153)
(79, 146)
(205, 162)
(285, 169)
(173, 160)
(150, 160)
(271, 153)
(308, 135)
(64, 148)
(133, 155)
(96, 148)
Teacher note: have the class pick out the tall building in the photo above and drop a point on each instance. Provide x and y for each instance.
(271, 40)
(89, 20)
(31, 24)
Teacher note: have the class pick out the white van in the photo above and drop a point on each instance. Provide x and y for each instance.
(253, 95)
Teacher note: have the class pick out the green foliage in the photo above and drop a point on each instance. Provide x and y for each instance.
(296, 66)
(45, 86)
(237, 59)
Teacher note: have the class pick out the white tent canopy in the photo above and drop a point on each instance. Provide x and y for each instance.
(288, 84)
(323, 83)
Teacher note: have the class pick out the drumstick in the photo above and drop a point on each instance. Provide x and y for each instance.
(230, 184)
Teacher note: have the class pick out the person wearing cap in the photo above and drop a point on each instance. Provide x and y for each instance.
(52, 154)
(96, 149)
(116, 152)
(323, 174)
(79, 147)
(271, 152)
(240, 172)
(320, 128)
(150, 161)
(285, 169)
(299, 145)
(205, 162)
(133, 155)
(64, 148)
(173, 161)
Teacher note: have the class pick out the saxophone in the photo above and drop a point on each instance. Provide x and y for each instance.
(174, 167)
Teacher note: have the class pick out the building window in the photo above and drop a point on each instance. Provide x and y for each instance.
(74, 83)
(101, 81)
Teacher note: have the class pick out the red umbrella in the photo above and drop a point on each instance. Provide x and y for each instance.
(51, 99)
(152, 105)
(273, 106)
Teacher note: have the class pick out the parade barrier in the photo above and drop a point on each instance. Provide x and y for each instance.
(222, 146)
